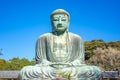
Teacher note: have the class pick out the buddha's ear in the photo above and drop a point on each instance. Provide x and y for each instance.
(68, 25)
(52, 26)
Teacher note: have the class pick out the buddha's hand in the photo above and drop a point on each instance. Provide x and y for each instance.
(60, 65)
(46, 63)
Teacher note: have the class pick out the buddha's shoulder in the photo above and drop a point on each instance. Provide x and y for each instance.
(44, 35)
(74, 35)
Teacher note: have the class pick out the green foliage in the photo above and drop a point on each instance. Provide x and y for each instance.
(15, 64)
(90, 46)
(2, 64)
(103, 54)
(115, 45)
(107, 59)
(1, 51)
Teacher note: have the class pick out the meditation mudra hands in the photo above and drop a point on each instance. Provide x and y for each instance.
(54, 64)
(60, 65)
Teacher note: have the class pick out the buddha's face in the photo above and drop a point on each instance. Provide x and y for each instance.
(60, 22)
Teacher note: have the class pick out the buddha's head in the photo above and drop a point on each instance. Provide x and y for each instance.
(60, 20)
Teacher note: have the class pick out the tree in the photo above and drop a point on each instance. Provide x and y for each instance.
(114, 44)
(90, 46)
(17, 64)
(107, 59)
(3, 63)
(1, 51)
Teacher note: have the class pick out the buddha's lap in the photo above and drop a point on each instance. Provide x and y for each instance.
(48, 69)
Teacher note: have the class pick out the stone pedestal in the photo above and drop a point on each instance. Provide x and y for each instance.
(60, 79)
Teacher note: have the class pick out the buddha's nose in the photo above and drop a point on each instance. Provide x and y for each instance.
(59, 21)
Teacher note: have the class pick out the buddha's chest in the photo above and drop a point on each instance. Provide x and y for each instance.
(59, 45)
(60, 49)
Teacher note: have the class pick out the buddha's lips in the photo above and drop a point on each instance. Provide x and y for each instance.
(59, 26)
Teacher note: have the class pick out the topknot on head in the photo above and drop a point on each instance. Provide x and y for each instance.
(60, 11)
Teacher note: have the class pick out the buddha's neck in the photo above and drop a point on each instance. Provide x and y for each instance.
(60, 33)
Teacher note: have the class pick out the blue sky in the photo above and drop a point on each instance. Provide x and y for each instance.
(23, 21)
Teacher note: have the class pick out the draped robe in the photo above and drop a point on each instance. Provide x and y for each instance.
(73, 56)
(44, 49)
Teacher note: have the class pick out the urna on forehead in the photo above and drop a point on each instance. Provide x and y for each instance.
(60, 11)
